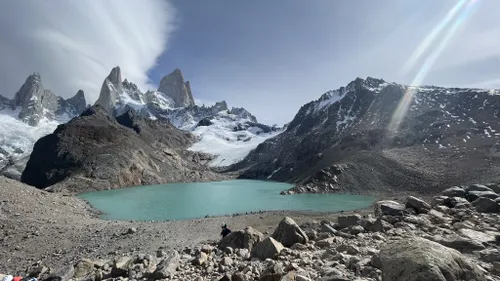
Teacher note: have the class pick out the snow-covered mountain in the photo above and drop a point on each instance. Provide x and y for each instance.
(33, 113)
(373, 134)
(230, 134)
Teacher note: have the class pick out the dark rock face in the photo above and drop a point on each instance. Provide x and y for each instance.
(96, 151)
(440, 141)
(173, 85)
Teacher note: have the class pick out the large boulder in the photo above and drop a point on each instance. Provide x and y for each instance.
(478, 187)
(269, 248)
(415, 259)
(388, 207)
(242, 239)
(473, 195)
(419, 205)
(454, 191)
(349, 220)
(63, 274)
(486, 205)
(168, 266)
(289, 233)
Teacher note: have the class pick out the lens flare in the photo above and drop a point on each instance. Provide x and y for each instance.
(462, 13)
(433, 35)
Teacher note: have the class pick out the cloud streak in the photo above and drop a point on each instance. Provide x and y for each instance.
(74, 44)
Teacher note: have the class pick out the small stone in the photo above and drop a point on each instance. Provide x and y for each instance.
(227, 261)
(132, 230)
(356, 229)
(228, 250)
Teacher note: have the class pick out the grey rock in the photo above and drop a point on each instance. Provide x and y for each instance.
(326, 228)
(348, 220)
(415, 259)
(438, 200)
(63, 274)
(457, 202)
(229, 250)
(454, 191)
(477, 187)
(356, 229)
(173, 85)
(376, 225)
(241, 239)
(84, 268)
(238, 276)
(168, 266)
(269, 248)
(200, 259)
(388, 207)
(120, 266)
(131, 230)
(460, 243)
(486, 205)
(227, 261)
(417, 204)
(289, 233)
(473, 195)
(110, 89)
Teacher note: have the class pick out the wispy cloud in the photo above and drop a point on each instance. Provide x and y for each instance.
(74, 44)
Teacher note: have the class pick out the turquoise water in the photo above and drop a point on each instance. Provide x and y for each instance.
(196, 200)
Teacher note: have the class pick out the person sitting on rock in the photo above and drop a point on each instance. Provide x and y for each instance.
(225, 230)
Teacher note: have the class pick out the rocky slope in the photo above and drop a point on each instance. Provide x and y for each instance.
(348, 140)
(229, 134)
(32, 113)
(454, 237)
(97, 151)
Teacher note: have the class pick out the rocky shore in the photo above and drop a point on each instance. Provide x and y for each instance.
(455, 236)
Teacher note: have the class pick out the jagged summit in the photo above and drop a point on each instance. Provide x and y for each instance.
(32, 113)
(110, 90)
(174, 86)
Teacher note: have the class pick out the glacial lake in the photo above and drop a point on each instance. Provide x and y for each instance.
(179, 201)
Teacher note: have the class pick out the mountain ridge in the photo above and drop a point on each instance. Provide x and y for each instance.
(352, 122)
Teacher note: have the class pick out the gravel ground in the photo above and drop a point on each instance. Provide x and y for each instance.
(55, 229)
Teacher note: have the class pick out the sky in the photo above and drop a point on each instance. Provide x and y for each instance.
(270, 57)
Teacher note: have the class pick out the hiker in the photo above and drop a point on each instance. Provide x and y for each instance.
(225, 230)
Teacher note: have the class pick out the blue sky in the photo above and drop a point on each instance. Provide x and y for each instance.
(270, 57)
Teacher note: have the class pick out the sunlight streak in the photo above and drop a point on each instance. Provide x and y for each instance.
(463, 14)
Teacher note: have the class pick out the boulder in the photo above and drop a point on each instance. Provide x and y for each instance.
(457, 202)
(490, 255)
(269, 248)
(416, 259)
(200, 259)
(63, 274)
(388, 207)
(84, 268)
(486, 205)
(376, 225)
(168, 266)
(349, 220)
(454, 191)
(438, 200)
(326, 228)
(120, 266)
(356, 229)
(289, 233)
(241, 239)
(473, 195)
(419, 205)
(478, 187)
(460, 243)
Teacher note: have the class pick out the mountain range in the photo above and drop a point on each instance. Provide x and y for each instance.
(227, 134)
(373, 136)
(370, 136)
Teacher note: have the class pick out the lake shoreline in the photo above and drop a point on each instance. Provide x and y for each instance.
(60, 228)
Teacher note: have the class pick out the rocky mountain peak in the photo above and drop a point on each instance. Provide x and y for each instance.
(72, 106)
(31, 87)
(115, 76)
(243, 113)
(111, 87)
(174, 86)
